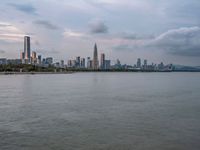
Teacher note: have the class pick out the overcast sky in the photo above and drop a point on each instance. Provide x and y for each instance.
(157, 30)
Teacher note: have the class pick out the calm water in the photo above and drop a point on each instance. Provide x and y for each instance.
(100, 111)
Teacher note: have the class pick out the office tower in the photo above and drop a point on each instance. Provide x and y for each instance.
(78, 61)
(69, 63)
(82, 62)
(102, 61)
(138, 63)
(49, 60)
(33, 58)
(62, 63)
(39, 59)
(95, 58)
(43, 61)
(88, 62)
(22, 55)
(107, 64)
(27, 48)
(34, 55)
(145, 64)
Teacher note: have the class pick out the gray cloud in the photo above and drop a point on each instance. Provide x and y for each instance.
(180, 42)
(124, 47)
(46, 24)
(2, 51)
(183, 41)
(97, 27)
(26, 8)
(134, 36)
(5, 25)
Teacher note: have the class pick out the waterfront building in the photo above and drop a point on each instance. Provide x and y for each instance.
(3, 61)
(107, 64)
(39, 60)
(82, 62)
(89, 66)
(27, 48)
(102, 61)
(62, 63)
(78, 61)
(34, 58)
(145, 64)
(138, 63)
(95, 58)
(49, 60)
(22, 55)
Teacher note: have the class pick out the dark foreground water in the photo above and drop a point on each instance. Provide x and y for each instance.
(100, 111)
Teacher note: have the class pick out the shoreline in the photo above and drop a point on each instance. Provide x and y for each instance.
(70, 72)
(33, 73)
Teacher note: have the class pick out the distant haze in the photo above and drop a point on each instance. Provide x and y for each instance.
(167, 31)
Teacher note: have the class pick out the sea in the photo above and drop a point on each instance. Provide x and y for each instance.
(100, 111)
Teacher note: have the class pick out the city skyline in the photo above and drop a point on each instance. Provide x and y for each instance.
(123, 30)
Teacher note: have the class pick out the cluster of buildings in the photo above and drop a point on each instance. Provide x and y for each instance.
(26, 57)
(93, 64)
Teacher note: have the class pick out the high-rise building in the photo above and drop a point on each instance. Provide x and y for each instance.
(22, 55)
(78, 61)
(27, 48)
(39, 59)
(138, 63)
(95, 58)
(34, 58)
(34, 55)
(62, 63)
(82, 62)
(107, 64)
(145, 64)
(102, 61)
(89, 66)
(49, 60)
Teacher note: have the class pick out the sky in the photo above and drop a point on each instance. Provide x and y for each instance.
(156, 30)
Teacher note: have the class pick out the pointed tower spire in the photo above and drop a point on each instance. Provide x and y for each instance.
(95, 58)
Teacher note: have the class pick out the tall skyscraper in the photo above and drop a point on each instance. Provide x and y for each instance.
(95, 58)
(138, 63)
(82, 62)
(27, 48)
(22, 55)
(78, 61)
(102, 61)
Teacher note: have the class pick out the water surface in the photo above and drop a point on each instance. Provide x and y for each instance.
(100, 111)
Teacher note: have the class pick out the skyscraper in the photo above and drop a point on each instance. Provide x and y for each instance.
(82, 62)
(138, 63)
(27, 48)
(102, 61)
(95, 58)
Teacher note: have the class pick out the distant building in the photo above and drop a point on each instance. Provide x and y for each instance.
(78, 61)
(102, 61)
(82, 63)
(145, 64)
(3, 61)
(22, 55)
(39, 60)
(89, 63)
(118, 64)
(138, 63)
(14, 61)
(107, 64)
(62, 63)
(49, 60)
(95, 58)
(34, 58)
(27, 48)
